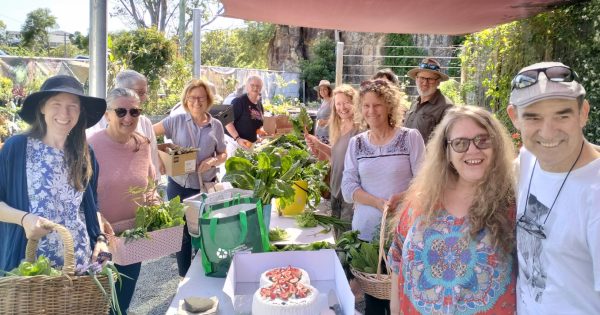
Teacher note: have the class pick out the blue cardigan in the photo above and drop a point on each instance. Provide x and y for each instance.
(13, 191)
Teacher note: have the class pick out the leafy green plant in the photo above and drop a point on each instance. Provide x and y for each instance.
(278, 234)
(37, 268)
(321, 65)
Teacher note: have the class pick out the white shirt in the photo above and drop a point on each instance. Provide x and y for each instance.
(559, 274)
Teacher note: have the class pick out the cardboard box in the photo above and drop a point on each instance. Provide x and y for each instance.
(323, 267)
(176, 165)
(277, 125)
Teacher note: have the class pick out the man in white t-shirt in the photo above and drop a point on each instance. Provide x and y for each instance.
(137, 82)
(558, 214)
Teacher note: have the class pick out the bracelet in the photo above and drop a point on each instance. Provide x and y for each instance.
(102, 238)
(23, 217)
(236, 138)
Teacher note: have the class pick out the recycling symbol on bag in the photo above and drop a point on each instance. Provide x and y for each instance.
(222, 253)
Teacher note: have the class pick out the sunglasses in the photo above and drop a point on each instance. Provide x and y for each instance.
(461, 145)
(429, 66)
(531, 227)
(133, 112)
(370, 85)
(554, 74)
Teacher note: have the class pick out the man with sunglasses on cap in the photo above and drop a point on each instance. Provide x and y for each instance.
(428, 110)
(558, 214)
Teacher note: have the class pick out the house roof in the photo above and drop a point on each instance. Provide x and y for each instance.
(390, 16)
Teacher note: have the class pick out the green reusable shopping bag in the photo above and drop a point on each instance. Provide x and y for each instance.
(229, 227)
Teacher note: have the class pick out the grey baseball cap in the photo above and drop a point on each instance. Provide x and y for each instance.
(544, 88)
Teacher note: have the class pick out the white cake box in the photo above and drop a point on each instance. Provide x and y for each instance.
(323, 267)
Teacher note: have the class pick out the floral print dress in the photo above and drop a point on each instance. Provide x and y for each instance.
(51, 196)
(441, 270)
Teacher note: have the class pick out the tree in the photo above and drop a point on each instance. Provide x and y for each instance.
(35, 30)
(161, 14)
(82, 42)
(2, 33)
(321, 66)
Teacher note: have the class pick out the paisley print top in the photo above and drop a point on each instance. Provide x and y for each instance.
(442, 270)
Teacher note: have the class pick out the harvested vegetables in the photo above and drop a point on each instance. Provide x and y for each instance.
(173, 149)
(37, 268)
(278, 234)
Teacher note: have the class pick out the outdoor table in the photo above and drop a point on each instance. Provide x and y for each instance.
(196, 283)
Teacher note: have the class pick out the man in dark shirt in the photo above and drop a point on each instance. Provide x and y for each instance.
(431, 105)
(247, 114)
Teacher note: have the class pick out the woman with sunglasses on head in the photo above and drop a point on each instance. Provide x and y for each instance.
(453, 248)
(379, 164)
(48, 175)
(194, 128)
(125, 161)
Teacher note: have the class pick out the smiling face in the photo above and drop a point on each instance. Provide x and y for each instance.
(125, 125)
(427, 83)
(472, 164)
(551, 129)
(61, 113)
(374, 110)
(323, 91)
(197, 101)
(253, 88)
(343, 106)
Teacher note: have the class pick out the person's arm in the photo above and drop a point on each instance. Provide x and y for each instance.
(159, 128)
(33, 225)
(236, 136)
(319, 149)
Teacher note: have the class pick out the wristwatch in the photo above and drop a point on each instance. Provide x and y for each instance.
(102, 238)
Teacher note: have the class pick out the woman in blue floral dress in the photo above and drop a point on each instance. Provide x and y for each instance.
(453, 248)
(49, 175)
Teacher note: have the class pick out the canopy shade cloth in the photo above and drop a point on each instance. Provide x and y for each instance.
(390, 16)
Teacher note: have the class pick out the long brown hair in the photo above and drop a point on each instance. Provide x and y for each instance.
(494, 195)
(336, 122)
(77, 153)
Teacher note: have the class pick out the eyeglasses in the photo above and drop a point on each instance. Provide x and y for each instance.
(133, 112)
(554, 74)
(461, 145)
(196, 98)
(429, 80)
(429, 66)
(531, 227)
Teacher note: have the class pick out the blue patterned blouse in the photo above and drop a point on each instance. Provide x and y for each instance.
(51, 196)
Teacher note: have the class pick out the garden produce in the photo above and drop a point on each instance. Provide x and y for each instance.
(311, 219)
(108, 269)
(37, 268)
(278, 234)
(302, 122)
(296, 247)
(173, 149)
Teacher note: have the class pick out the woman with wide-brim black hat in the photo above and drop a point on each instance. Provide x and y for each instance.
(49, 174)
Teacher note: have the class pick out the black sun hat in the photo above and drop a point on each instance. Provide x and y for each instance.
(94, 107)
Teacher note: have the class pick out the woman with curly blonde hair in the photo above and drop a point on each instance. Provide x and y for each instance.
(452, 252)
(379, 164)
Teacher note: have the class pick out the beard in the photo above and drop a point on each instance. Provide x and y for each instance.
(425, 93)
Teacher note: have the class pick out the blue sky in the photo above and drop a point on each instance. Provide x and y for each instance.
(72, 15)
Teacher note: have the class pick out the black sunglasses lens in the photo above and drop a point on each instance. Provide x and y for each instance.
(525, 79)
(121, 112)
(559, 74)
(135, 112)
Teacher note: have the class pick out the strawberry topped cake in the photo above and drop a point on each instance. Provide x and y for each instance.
(283, 275)
(286, 298)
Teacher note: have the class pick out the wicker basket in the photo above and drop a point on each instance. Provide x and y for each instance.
(65, 294)
(159, 244)
(377, 285)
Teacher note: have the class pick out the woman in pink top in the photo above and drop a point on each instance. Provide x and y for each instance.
(125, 161)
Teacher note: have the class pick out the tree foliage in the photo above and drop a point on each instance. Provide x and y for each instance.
(569, 34)
(35, 30)
(321, 66)
(400, 66)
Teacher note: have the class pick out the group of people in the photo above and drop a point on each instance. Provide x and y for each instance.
(473, 227)
(474, 231)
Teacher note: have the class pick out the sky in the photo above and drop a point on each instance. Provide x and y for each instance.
(73, 15)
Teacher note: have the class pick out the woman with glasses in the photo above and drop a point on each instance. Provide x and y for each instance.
(341, 129)
(125, 161)
(194, 128)
(453, 248)
(379, 164)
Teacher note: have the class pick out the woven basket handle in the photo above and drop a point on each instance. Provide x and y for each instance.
(382, 244)
(68, 248)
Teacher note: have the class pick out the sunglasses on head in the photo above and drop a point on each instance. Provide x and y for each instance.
(554, 74)
(429, 66)
(133, 112)
(461, 145)
(373, 84)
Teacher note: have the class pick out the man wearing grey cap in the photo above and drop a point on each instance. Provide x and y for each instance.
(558, 213)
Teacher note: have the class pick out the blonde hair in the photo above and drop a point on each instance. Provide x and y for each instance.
(392, 96)
(335, 128)
(494, 195)
(196, 83)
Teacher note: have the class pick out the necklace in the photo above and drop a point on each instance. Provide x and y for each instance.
(559, 189)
